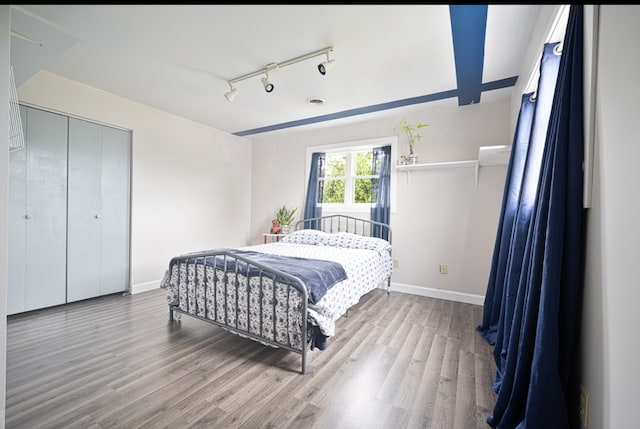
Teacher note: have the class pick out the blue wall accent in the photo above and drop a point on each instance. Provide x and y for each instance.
(468, 28)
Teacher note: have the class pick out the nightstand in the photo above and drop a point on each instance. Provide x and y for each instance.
(273, 237)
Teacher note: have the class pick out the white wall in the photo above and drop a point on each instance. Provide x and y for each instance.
(441, 217)
(191, 184)
(611, 349)
(5, 49)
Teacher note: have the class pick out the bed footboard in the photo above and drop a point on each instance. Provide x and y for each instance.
(242, 296)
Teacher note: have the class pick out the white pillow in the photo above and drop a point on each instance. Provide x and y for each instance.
(354, 241)
(304, 236)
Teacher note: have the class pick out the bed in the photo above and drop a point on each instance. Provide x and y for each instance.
(285, 294)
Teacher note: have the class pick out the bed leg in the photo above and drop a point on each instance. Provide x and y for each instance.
(388, 285)
(304, 361)
(171, 319)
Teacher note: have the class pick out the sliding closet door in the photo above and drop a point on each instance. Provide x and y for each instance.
(98, 210)
(37, 213)
(116, 185)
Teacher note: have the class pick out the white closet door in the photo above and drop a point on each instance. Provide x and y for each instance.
(116, 184)
(98, 210)
(37, 214)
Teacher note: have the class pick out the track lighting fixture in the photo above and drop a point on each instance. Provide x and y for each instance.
(266, 84)
(231, 94)
(326, 65)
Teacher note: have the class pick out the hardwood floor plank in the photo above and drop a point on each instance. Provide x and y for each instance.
(465, 395)
(445, 404)
(278, 412)
(425, 400)
(393, 381)
(408, 388)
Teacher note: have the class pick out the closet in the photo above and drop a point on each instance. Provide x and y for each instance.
(69, 211)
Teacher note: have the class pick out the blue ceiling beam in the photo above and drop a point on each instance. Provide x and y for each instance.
(468, 29)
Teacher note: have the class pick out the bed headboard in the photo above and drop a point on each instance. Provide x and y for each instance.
(343, 223)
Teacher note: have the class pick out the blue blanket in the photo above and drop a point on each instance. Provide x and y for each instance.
(318, 275)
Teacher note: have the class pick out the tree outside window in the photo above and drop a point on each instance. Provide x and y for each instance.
(348, 177)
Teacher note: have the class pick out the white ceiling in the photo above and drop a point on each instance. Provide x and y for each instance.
(179, 58)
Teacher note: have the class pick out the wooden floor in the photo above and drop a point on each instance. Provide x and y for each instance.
(397, 361)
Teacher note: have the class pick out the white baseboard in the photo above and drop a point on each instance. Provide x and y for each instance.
(143, 287)
(436, 293)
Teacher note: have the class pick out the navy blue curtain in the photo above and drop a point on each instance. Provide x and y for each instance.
(380, 191)
(525, 207)
(510, 198)
(312, 207)
(503, 279)
(539, 324)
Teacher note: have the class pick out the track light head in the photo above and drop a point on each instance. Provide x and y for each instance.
(326, 65)
(268, 86)
(231, 94)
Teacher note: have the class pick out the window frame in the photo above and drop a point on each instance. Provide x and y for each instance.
(354, 146)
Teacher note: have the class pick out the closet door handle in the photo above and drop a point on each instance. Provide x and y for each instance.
(28, 216)
(98, 216)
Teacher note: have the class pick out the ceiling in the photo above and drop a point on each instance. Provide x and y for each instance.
(179, 58)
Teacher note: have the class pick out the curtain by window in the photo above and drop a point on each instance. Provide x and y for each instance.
(312, 207)
(380, 190)
(510, 198)
(541, 291)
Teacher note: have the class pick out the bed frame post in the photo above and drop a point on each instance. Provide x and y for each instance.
(304, 360)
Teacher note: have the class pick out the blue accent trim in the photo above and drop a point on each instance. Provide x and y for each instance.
(352, 112)
(468, 27)
(499, 84)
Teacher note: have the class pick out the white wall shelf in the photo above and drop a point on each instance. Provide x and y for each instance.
(494, 155)
(434, 165)
(487, 155)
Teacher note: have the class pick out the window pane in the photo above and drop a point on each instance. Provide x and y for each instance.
(335, 165)
(362, 192)
(364, 163)
(333, 191)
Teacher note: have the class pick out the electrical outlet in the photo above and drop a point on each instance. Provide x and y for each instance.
(396, 263)
(584, 406)
(443, 268)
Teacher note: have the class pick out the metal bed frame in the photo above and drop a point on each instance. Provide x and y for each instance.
(192, 269)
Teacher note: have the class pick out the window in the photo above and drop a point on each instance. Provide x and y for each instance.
(347, 179)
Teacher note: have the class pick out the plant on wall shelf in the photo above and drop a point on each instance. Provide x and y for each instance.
(411, 132)
(285, 216)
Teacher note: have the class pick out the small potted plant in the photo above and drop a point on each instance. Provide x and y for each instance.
(285, 216)
(413, 136)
